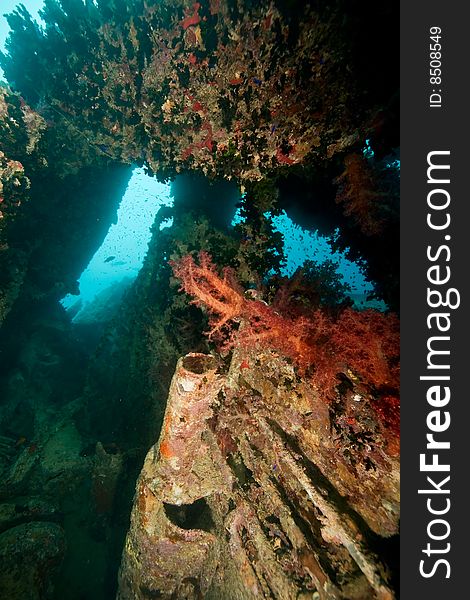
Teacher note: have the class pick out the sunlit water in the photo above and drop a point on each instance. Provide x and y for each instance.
(122, 253)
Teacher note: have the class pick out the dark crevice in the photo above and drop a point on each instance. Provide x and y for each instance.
(310, 528)
(242, 473)
(386, 548)
(197, 515)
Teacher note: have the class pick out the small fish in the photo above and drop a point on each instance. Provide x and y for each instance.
(109, 259)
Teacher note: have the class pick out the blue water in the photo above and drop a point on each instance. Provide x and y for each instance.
(122, 253)
(301, 245)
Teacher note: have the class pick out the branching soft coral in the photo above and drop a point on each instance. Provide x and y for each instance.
(366, 343)
(359, 195)
(220, 295)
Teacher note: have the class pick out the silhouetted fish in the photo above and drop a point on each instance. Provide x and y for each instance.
(109, 259)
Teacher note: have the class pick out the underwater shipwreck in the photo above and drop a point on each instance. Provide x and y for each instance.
(218, 427)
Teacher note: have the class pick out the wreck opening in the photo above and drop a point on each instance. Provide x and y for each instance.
(119, 258)
(199, 363)
(190, 516)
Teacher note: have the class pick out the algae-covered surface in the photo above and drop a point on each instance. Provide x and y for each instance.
(218, 418)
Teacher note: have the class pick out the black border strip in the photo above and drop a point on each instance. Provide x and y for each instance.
(425, 129)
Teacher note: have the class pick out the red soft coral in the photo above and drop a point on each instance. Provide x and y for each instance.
(365, 342)
(358, 194)
(220, 295)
